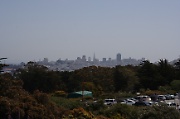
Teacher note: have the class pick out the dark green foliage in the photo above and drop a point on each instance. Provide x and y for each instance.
(120, 80)
(160, 112)
(96, 106)
(125, 79)
(36, 77)
(122, 111)
(166, 70)
(74, 82)
(65, 103)
(99, 79)
(175, 84)
(126, 111)
(147, 74)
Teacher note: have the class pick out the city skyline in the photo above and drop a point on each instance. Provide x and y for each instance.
(87, 58)
(33, 30)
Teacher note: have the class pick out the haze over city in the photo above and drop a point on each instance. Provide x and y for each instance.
(67, 29)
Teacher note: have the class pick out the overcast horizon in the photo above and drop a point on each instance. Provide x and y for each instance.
(67, 29)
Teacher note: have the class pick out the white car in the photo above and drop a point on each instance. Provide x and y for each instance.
(171, 104)
(130, 102)
(161, 98)
(110, 101)
(143, 98)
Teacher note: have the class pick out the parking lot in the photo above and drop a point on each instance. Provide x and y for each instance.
(144, 100)
(175, 100)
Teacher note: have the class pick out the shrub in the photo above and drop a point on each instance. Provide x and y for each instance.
(159, 112)
(60, 94)
(95, 106)
(122, 111)
(66, 103)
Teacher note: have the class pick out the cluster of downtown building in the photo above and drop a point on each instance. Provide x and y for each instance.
(80, 62)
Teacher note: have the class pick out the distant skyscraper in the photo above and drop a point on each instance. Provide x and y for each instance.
(45, 60)
(104, 59)
(78, 58)
(89, 59)
(118, 57)
(94, 57)
(84, 58)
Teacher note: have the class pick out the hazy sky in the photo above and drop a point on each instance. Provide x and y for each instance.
(53, 29)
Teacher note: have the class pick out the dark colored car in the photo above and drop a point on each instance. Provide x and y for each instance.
(140, 103)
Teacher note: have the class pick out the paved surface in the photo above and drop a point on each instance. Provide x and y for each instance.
(176, 100)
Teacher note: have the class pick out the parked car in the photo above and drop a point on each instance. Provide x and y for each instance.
(110, 101)
(169, 97)
(171, 104)
(143, 98)
(123, 102)
(130, 102)
(161, 98)
(141, 103)
(133, 99)
(153, 103)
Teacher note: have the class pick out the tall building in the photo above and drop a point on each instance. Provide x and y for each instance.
(89, 59)
(45, 60)
(84, 58)
(118, 57)
(104, 59)
(94, 57)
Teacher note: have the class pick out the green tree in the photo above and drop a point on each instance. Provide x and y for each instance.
(148, 75)
(166, 71)
(175, 84)
(177, 68)
(37, 77)
(120, 80)
(16, 103)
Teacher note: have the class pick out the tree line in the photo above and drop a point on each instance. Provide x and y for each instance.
(102, 79)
